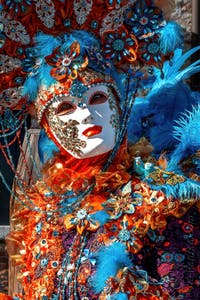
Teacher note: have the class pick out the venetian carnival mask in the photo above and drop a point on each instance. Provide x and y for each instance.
(83, 121)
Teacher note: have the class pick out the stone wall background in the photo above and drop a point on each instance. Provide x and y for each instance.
(179, 11)
(182, 13)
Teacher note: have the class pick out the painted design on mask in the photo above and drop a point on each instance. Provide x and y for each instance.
(84, 126)
(67, 133)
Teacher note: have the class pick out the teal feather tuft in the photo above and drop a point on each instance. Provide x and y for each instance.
(100, 216)
(109, 261)
(171, 37)
(46, 147)
(45, 44)
(119, 296)
(182, 190)
(187, 132)
(31, 87)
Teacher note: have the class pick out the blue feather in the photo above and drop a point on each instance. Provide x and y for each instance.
(155, 115)
(31, 87)
(45, 44)
(119, 296)
(109, 260)
(171, 37)
(187, 133)
(184, 190)
(101, 216)
(46, 147)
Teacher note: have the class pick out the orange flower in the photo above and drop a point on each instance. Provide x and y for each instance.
(66, 62)
(80, 220)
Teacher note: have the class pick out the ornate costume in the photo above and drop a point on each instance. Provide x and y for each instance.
(103, 199)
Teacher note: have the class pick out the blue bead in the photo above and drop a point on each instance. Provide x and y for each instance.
(118, 45)
(124, 235)
(67, 23)
(19, 80)
(94, 24)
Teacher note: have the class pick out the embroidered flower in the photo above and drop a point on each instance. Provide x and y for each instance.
(146, 21)
(121, 203)
(149, 51)
(127, 235)
(167, 257)
(120, 46)
(66, 62)
(87, 255)
(80, 220)
(187, 228)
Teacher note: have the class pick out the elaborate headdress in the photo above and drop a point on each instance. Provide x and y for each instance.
(122, 35)
(47, 48)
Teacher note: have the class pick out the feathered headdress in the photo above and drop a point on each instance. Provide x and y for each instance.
(48, 41)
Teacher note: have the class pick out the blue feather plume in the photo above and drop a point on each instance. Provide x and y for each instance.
(100, 216)
(119, 296)
(171, 37)
(46, 147)
(183, 190)
(187, 133)
(154, 116)
(109, 260)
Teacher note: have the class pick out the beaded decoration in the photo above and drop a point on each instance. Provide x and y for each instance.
(79, 224)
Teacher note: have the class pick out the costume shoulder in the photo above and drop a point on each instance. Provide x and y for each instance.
(168, 119)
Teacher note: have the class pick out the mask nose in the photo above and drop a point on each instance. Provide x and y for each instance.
(86, 116)
(87, 119)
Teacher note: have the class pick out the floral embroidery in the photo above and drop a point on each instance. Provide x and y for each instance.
(149, 51)
(120, 46)
(88, 256)
(160, 177)
(82, 8)
(10, 98)
(127, 235)
(121, 203)
(80, 220)
(14, 30)
(8, 63)
(146, 21)
(66, 62)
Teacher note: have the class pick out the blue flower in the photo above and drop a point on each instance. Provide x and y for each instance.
(88, 256)
(120, 46)
(143, 20)
(167, 257)
(149, 51)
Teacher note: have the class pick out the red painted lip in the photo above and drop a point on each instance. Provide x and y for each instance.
(92, 131)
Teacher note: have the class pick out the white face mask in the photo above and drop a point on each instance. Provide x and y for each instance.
(86, 126)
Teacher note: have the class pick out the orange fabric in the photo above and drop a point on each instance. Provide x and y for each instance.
(5, 297)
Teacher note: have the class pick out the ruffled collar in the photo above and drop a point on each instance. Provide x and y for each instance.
(64, 173)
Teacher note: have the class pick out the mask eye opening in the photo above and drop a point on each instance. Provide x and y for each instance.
(98, 97)
(65, 108)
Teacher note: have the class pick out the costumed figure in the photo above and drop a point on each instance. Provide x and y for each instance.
(102, 196)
